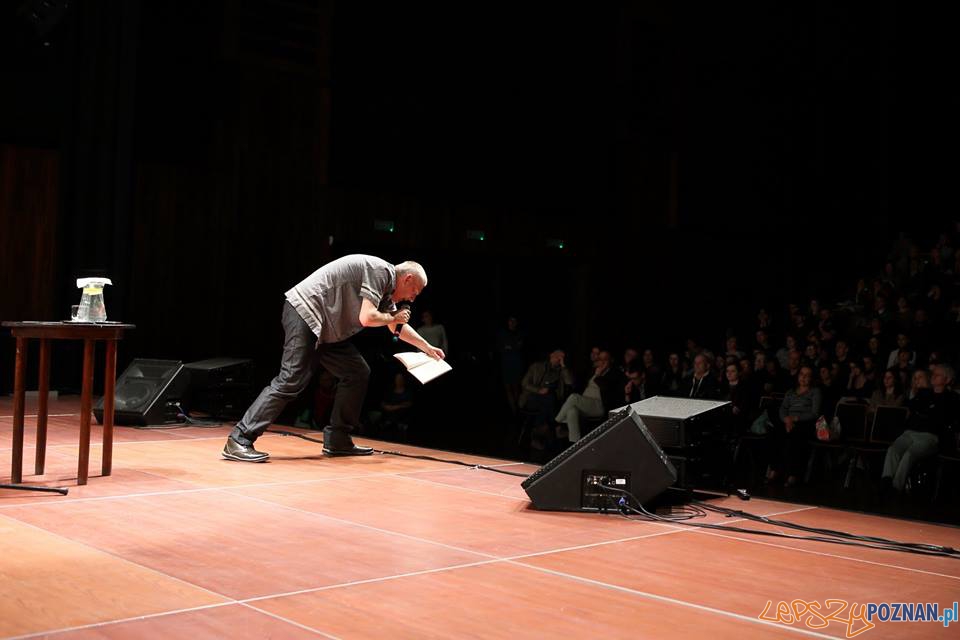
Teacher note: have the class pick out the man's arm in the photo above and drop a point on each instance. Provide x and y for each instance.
(371, 317)
(410, 336)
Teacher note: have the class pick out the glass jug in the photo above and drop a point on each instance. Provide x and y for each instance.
(92, 308)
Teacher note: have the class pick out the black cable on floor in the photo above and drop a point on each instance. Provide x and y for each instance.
(832, 537)
(411, 455)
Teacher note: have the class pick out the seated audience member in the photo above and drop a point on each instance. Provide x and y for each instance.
(825, 329)
(731, 348)
(764, 321)
(740, 395)
(783, 353)
(903, 367)
(760, 373)
(880, 309)
(870, 371)
(932, 421)
(719, 364)
(652, 373)
(794, 361)
(890, 394)
(629, 355)
(635, 389)
(829, 391)
(603, 392)
(799, 324)
(544, 386)
(811, 355)
(702, 385)
(691, 351)
(793, 427)
(903, 342)
(746, 374)
(435, 334)
(841, 352)
(919, 380)
(903, 316)
(762, 339)
(873, 348)
(858, 386)
(672, 381)
(778, 380)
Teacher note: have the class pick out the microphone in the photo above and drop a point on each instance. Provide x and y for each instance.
(403, 306)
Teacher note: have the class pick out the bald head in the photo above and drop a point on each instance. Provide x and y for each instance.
(411, 279)
(409, 267)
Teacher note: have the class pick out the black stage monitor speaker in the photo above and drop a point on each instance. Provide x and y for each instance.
(680, 422)
(220, 387)
(620, 453)
(148, 393)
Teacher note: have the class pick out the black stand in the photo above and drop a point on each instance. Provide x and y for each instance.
(23, 487)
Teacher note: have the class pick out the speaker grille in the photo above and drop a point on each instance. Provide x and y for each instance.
(134, 394)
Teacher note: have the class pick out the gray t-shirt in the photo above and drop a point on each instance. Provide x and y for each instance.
(329, 299)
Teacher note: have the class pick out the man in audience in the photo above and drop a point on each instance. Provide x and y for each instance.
(842, 358)
(933, 416)
(703, 385)
(629, 355)
(763, 341)
(544, 387)
(903, 342)
(635, 389)
(604, 391)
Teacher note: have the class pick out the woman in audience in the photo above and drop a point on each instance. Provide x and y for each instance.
(920, 380)
(793, 428)
(889, 395)
(858, 385)
(740, 396)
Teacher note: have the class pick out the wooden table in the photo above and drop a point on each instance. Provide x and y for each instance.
(90, 333)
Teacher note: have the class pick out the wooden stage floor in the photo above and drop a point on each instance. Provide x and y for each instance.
(179, 543)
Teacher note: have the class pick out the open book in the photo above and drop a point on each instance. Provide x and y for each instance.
(421, 366)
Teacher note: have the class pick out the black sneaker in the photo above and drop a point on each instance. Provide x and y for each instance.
(233, 450)
(349, 450)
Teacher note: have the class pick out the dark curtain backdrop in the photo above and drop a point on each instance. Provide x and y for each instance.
(207, 155)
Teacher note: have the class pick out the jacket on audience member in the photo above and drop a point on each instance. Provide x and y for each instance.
(533, 381)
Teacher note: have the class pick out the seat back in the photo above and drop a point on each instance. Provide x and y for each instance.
(853, 421)
(888, 424)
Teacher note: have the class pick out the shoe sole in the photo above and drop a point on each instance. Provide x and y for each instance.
(239, 459)
(331, 452)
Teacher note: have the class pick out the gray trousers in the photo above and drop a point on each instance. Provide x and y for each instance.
(573, 408)
(301, 356)
(905, 452)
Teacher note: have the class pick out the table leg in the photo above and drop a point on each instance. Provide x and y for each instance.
(19, 396)
(42, 405)
(109, 388)
(86, 405)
